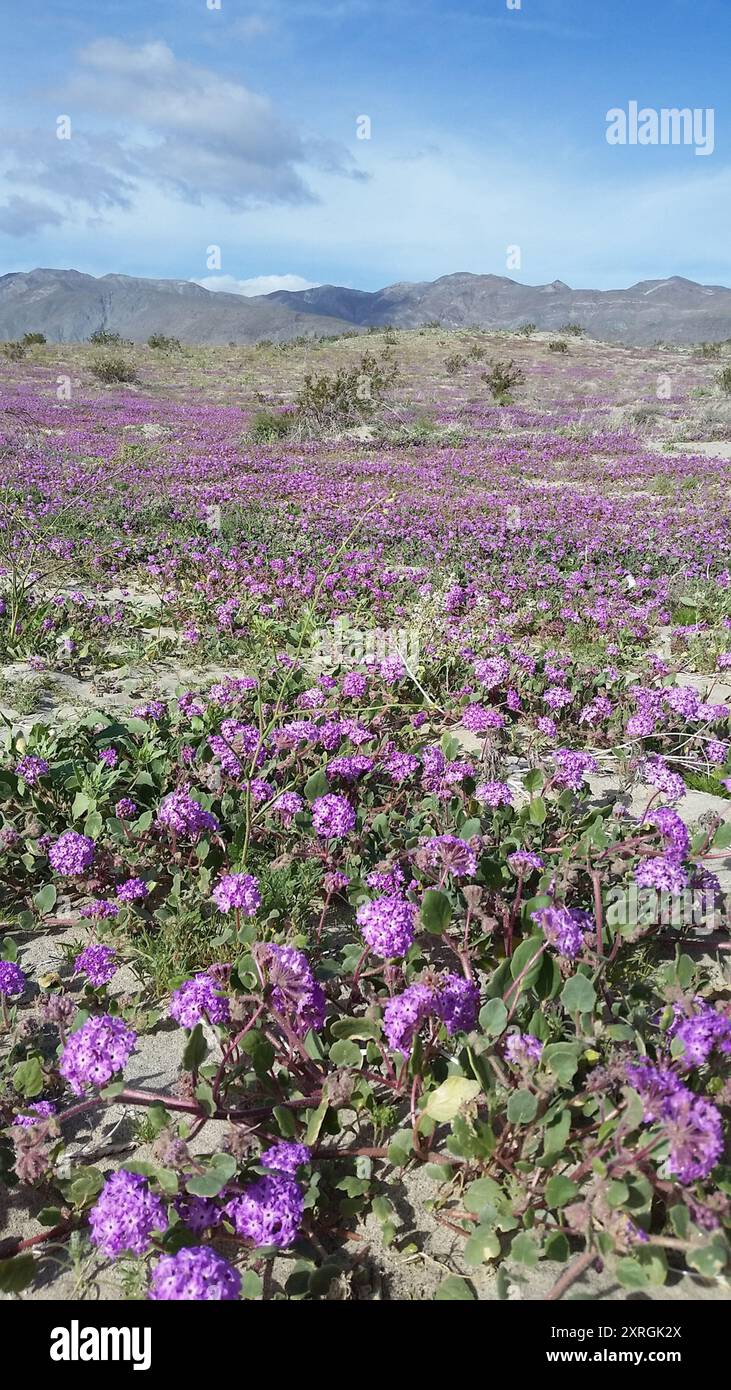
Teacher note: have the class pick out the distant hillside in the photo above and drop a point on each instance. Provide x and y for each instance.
(68, 307)
(674, 310)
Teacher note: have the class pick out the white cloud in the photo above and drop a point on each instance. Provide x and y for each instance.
(259, 284)
(141, 117)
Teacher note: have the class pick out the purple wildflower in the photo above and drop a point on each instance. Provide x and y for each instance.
(72, 854)
(239, 893)
(98, 963)
(195, 1274)
(197, 999)
(125, 1215)
(96, 1052)
(388, 925)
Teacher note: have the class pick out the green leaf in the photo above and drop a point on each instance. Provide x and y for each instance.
(93, 825)
(317, 785)
(537, 810)
(617, 1193)
(50, 1216)
(364, 1029)
(346, 1054)
(196, 1049)
(400, 1149)
(529, 950)
(315, 1122)
(453, 1288)
(560, 1190)
(525, 1249)
(557, 1247)
(522, 1107)
(16, 1274)
(722, 837)
(562, 1059)
(204, 1096)
(206, 1184)
(709, 1260)
(45, 899)
(81, 805)
(259, 1049)
(444, 1103)
(578, 995)
(556, 1133)
(494, 1017)
(28, 1078)
(285, 1120)
(436, 911)
(251, 1284)
(630, 1274)
(82, 1186)
(484, 1192)
(482, 1245)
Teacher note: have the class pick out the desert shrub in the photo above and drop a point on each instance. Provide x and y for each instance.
(558, 345)
(112, 368)
(501, 380)
(33, 339)
(267, 426)
(724, 380)
(163, 344)
(527, 330)
(571, 330)
(476, 352)
(103, 338)
(454, 364)
(14, 351)
(346, 396)
(709, 350)
(642, 414)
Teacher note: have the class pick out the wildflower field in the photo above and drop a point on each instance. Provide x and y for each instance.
(365, 820)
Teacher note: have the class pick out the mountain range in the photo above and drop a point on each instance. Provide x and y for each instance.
(68, 306)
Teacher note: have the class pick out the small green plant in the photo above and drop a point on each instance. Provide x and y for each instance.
(15, 352)
(558, 345)
(267, 427)
(501, 379)
(454, 364)
(103, 338)
(163, 344)
(527, 330)
(33, 339)
(724, 380)
(112, 368)
(571, 330)
(709, 350)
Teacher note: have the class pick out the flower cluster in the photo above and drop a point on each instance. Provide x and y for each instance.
(237, 893)
(96, 1052)
(269, 1212)
(195, 1274)
(98, 963)
(197, 999)
(183, 816)
(388, 925)
(125, 1215)
(72, 854)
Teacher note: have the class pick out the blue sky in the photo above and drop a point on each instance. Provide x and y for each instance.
(236, 127)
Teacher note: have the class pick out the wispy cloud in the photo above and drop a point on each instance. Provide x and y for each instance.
(139, 115)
